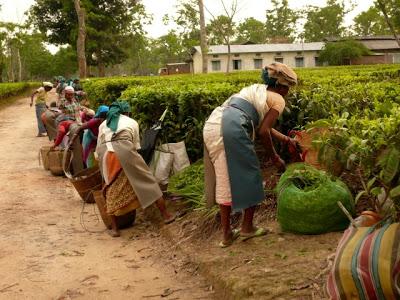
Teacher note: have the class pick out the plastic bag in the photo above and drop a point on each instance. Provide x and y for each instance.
(161, 165)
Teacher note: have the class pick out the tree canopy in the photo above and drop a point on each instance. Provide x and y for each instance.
(280, 22)
(109, 23)
(251, 30)
(370, 22)
(335, 53)
(323, 22)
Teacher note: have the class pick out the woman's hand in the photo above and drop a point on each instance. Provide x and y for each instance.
(279, 163)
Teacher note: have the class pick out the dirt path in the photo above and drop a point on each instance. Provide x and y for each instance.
(46, 254)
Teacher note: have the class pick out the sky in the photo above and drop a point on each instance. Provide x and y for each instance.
(13, 10)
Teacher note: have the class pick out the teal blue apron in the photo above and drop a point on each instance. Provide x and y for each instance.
(239, 120)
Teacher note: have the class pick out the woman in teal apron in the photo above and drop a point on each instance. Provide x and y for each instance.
(233, 173)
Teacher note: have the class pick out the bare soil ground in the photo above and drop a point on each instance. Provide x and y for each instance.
(45, 253)
(276, 266)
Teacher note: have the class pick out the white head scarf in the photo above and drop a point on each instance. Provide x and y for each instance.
(69, 89)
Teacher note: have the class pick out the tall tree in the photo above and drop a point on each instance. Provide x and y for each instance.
(203, 37)
(251, 30)
(391, 11)
(370, 22)
(108, 24)
(323, 22)
(281, 22)
(80, 43)
(222, 28)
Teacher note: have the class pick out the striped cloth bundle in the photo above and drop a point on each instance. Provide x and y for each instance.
(367, 264)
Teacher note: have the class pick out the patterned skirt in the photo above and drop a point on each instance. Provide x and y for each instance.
(119, 194)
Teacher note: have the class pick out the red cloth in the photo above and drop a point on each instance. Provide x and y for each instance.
(94, 125)
(62, 130)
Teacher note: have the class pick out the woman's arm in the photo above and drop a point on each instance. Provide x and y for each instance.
(266, 132)
(33, 95)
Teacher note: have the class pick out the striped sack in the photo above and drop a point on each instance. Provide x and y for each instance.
(367, 264)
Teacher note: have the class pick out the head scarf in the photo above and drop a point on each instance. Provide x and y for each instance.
(278, 73)
(101, 110)
(69, 89)
(116, 109)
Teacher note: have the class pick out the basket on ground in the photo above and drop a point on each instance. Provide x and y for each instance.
(86, 182)
(122, 221)
(56, 161)
(44, 157)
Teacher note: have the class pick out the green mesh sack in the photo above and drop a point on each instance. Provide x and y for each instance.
(307, 201)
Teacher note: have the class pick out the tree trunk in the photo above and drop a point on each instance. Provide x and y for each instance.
(203, 38)
(11, 68)
(387, 19)
(80, 43)
(19, 65)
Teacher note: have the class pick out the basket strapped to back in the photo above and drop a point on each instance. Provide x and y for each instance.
(86, 181)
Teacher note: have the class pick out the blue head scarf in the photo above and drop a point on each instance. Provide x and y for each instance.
(116, 109)
(267, 79)
(103, 109)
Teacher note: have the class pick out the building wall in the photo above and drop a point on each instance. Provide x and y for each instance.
(197, 63)
(373, 59)
(247, 60)
(178, 69)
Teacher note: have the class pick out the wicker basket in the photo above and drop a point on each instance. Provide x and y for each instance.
(56, 161)
(44, 157)
(311, 152)
(86, 182)
(122, 221)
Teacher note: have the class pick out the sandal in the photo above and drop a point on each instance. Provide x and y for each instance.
(257, 233)
(170, 220)
(235, 236)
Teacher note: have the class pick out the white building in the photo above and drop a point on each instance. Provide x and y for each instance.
(253, 57)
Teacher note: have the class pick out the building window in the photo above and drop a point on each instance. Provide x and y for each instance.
(236, 55)
(279, 59)
(299, 62)
(278, 53)
(237, 64)
(299, 53)
(317, 61)
(216, 65)
(258, 54)
(258, 63)
(215, 55)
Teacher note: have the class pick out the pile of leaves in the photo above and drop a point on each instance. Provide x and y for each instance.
(307, 201)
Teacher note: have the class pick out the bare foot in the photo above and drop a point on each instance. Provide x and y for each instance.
(114, 233)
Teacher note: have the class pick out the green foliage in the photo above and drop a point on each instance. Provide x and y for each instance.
(188, 107)
(335, 53)
(251, 30)
(323, 22)
(189, 183)
(220, 30)
(307, 201)
(281, 22)
(14, 89)
(371, 22)
(108, 25)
